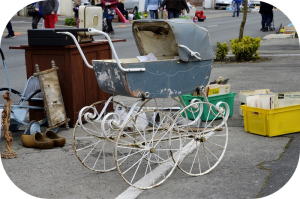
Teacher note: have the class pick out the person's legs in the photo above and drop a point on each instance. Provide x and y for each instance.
(238, 9)
(110, 28)
(176, 13)
(10, 29)
(152, 14)
(234, 9)
(263, 21)
(156, 14)
(77, 22)
(35, 20)
(268, 19)
(50, 21)
(170, 13)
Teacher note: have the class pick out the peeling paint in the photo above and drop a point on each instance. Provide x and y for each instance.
(117, 74)
(136, 93)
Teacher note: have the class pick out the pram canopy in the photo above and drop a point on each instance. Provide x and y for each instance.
(161, 37)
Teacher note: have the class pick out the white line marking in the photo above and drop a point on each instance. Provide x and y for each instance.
(274, 55)
(132, 192)
(212, 26)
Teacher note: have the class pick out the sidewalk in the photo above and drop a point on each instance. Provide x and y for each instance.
(253, 166)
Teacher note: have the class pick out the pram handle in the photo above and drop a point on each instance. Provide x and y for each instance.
(77, 30)
(193, 54)
(112, 48)
(2, 55)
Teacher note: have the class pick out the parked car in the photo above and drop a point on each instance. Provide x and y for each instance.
(255, 3)
(132, 5)
(222, 4)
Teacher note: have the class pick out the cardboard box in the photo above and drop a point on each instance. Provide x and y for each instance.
(217, 89)
(289, 29)
(287, 99)
(244, 94)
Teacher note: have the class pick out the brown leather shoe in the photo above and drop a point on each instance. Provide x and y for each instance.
(58, 141)
(37, 140)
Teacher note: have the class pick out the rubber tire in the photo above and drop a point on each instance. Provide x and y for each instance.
(33, 127)
(135, 13)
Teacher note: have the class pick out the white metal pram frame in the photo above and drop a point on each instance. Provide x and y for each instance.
(152, 136)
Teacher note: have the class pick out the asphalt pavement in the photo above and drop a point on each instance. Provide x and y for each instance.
(253, 166)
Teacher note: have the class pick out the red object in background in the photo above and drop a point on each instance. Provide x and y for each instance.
(200, 15)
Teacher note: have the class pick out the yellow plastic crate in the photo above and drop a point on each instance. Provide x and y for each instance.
(272, 122)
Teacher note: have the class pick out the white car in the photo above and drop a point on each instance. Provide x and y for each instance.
(222, 4)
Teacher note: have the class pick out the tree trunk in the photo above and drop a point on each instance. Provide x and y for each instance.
(241, 35)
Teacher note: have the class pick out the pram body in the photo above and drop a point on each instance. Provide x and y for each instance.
(176, 72)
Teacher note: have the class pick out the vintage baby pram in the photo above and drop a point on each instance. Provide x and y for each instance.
(153, 135)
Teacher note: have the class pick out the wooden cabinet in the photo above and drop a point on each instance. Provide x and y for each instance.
(78, 83)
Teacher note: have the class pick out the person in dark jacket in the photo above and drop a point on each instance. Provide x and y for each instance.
(108, 6)
(37, 17)
(50, 8)
(174, 7)
(266, 11)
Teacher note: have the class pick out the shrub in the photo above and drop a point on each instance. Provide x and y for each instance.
(222, 50)
(70, 21)
(245, 50)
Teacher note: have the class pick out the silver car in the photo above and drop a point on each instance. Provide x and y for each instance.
(132, 5)
(222, 4)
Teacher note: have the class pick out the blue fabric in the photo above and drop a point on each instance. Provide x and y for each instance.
(153, 14)
(173, 13)
(106, 15)
(40, 8)
(236, 9)
(10, 29)
(236, 1)
(152, 2)
(266, 19)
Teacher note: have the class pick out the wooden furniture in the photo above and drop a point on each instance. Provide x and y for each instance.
(78, 83)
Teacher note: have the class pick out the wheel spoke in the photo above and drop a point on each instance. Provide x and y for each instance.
(137, 168)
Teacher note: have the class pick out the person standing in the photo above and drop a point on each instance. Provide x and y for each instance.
(109, 7)
(153, 7)
(11, 33)
(50, 8)
(236, 8)
(174, 7)
(266, 11)
(75, 9)
(37, 17)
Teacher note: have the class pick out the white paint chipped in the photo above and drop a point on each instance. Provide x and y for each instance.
(117, 74)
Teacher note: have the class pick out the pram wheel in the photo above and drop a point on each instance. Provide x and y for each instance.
(91, 145)
(151, 145)
(204, 143)
(33, 127)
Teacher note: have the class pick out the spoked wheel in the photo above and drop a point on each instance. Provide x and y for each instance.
(94, 145)
(169, 106)
(149, 164)
(204, 143)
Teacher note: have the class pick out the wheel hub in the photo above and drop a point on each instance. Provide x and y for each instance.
(201, 139)
(152, 150)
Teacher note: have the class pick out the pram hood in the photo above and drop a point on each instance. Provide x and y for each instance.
(161, 37)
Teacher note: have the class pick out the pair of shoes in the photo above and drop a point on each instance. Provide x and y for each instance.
(58, 141)
(46, 140)
(37, 140)
(10, 36)
(262, 29)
